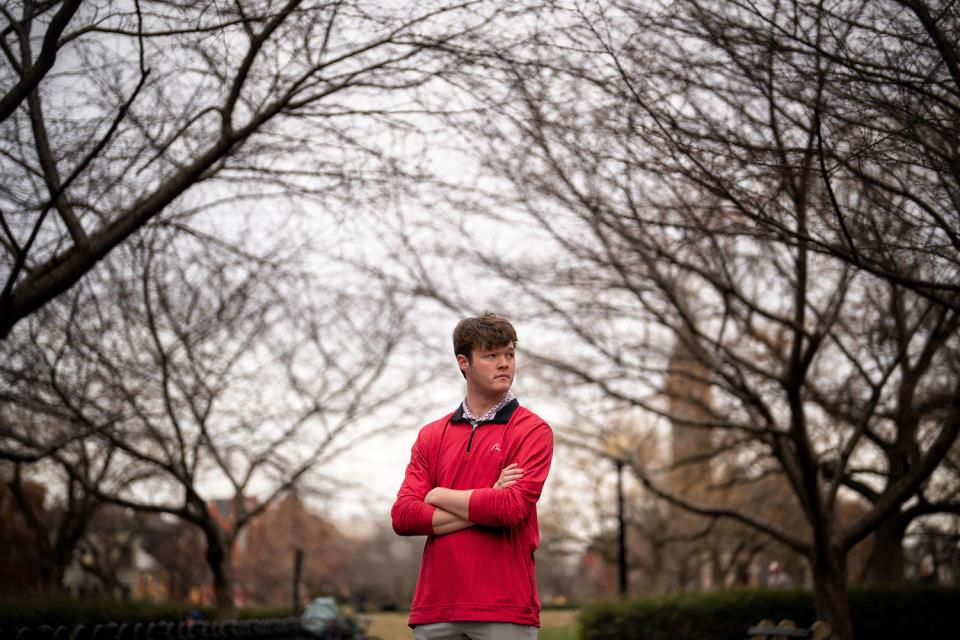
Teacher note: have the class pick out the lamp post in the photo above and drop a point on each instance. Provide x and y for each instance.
(622, 534)
(617, 449)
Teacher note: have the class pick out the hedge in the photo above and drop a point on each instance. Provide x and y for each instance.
(878, 614)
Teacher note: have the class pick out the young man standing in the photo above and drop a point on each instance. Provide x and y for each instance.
(471, 487)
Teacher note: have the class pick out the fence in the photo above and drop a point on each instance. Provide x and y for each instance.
(273, 629)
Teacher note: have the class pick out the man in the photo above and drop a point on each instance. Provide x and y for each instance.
(778, 578)
(471, 487)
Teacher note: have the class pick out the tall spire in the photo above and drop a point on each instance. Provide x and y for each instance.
(688, 393)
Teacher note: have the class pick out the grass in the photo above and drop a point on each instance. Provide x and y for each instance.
(389, 625)
(559, 624)
(555, 624)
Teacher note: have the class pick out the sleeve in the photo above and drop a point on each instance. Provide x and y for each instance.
(411, 515)
(508, 507)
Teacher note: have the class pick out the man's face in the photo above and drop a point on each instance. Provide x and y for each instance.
(489, 371)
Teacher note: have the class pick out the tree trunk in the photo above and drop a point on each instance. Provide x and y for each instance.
(830, 591)
(885, 562)
(221, 565)
(297, 577)
(223, 591)
(51, 572)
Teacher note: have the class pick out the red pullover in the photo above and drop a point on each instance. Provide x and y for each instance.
(485, 572)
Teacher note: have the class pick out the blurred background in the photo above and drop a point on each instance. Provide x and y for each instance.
(236, 238)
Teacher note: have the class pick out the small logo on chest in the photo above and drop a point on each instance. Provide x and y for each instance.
(495, 447)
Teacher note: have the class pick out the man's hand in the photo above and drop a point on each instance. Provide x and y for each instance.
(510, 475)
(453, 506)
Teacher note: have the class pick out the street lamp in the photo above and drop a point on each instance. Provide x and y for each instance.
(617, 449)
(622, 535)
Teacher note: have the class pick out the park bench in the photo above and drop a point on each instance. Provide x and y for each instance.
(787, 629)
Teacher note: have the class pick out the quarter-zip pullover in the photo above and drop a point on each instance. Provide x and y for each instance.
(485, 572)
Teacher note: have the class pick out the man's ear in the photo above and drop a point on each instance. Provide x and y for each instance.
(463, 362)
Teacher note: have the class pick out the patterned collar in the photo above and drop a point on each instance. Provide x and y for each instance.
(464, 414)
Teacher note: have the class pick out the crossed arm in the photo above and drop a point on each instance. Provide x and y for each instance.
(453, 505)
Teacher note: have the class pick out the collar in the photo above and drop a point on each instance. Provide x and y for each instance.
(499, 414)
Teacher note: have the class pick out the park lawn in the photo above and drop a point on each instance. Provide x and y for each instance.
(555, 624)
(559, 624)
(389, 625)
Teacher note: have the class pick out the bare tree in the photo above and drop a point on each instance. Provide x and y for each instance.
(129, 107)
(728, 176)
(56, 531)
(35, 421)
(58, 527)
(29, 68)
(214, 374)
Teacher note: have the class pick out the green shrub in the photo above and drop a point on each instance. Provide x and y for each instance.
(719, 615)
(878, 614)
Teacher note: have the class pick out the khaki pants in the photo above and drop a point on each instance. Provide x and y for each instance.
(475, 631)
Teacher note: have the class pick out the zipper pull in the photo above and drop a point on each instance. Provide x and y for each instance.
(470, 441)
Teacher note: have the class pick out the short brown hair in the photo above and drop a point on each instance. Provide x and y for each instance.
(488, 331)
